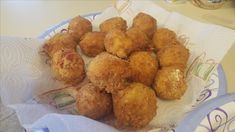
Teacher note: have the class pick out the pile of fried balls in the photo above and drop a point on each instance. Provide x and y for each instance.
(130, 68)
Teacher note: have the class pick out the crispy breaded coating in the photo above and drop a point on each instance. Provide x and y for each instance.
(93, 103)
(170, 83)
(78, 26)
(144, 67)
(92, 43)
(68, 66)
(135, 106)
(139, 38)
(113, 23)
(164, 37)
(118, 43)
(146, 23)
(174, 55)
(59, 41)
(109, 72)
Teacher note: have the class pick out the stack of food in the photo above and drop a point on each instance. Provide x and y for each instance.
(130, 69)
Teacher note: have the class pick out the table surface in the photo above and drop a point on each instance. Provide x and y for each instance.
(24, 18)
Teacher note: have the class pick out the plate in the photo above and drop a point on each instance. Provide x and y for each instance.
(216, 115)
(215, 87)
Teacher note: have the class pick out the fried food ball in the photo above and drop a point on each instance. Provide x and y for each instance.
(109, 72)
(139, 38)
(58, 42)
(146, 23)
(174, 55)
(78, 26)
(68, 66)
(92, 43)
(118, 43)
(144, 67)
(164, 37)
(135, 106)
(113, 23)
(93, 103)
(170, 83)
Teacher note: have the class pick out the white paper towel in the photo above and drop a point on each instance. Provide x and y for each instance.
(25, 75)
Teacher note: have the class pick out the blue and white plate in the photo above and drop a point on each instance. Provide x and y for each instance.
(216, 115)
(216, 85)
